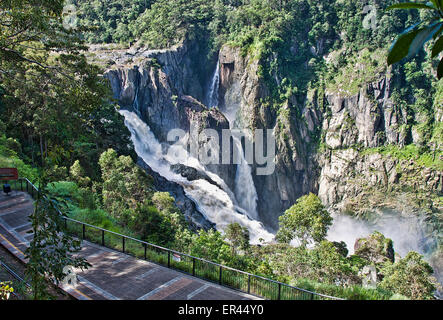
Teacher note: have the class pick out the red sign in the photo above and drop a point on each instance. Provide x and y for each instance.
(8, 174)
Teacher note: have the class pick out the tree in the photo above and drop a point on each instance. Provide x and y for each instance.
(78, 175)
(151, 225)
(124, 184)
(51, 248)
(211, 246)
(416, 36)
(165, 203)
(49, 90)
(306, 221)
(375, 248)
(238, 236)
(410, 276)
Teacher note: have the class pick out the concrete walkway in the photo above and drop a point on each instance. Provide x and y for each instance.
(113, 275)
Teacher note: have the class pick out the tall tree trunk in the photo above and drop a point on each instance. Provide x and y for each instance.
(41, 149)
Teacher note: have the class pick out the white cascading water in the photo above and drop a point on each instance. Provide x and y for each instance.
(212, 99)
(215, 203)
(245, 191)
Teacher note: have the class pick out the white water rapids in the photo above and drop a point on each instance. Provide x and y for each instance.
(217, 204)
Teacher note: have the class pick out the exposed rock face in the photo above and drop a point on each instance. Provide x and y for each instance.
(368, 119)
(241, 91)
(160, 86)
(369, 275)
(192, 174)
(375, 248)
(347, 175)
(186, 205)
(165, 87)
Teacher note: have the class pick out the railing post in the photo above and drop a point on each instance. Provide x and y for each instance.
(312, 296)
(193, 266)
(169, 259)
(220, 276)
(249, 283)
(146, 247)
(279, 291)
(123, 249)
(103, 238)
(83, 231)
(21, 185)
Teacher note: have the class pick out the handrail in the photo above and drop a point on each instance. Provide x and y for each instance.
(169, 251)
(14, 274)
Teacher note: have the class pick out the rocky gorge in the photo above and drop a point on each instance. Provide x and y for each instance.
(327, 142)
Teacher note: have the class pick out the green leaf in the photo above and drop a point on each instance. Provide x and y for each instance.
(439, 31)
(423, 36)
(433, 3)
(400, 48)
(440, 69)
(438, 3)
(410, 5)
(438, 47)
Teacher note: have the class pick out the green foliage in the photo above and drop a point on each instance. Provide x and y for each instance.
(168, 22)
(124, 184)
(375, 248)
(410, 277)
(415, 37)
(150, 225)
(306, 221)
(98, 217)
(107, 21)
(165, 204)
(428, 159)
(323, 263)
(51, 249)
(77, 173)
(10, 158)
(64, 191)
(52, 101)
(238, 236)
(353, 292)
(211, 246)
(362, 68)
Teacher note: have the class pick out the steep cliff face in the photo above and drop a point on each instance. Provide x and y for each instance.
(164, 88)
(352, 168)
(367, 119)
(241, 94)
(325, 143)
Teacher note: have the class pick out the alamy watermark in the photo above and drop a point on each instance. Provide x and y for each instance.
(70, 18)
(370, 19)
(210, 148)
(71, 277)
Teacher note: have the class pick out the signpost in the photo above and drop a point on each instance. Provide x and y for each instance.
(8, 174)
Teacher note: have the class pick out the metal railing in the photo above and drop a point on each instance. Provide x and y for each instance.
(17, 280)
(197, 267)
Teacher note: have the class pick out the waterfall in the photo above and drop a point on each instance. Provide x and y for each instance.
(212, 98)
(245, 191)
(215, 203)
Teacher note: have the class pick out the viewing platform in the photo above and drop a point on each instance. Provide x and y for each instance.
(114, 275)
